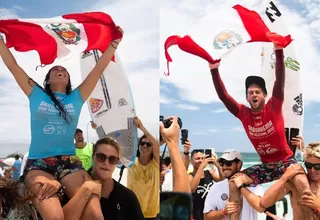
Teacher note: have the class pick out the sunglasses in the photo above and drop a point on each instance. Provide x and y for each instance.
(316, 166)
(142, 143)
(227, 163)
(113, 160)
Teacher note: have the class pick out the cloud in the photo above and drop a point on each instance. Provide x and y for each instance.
(139, 46)
(199, 133)
(191, 76)
(188, 107)
(233, 129)
(220, 110)
(6, 13)
(18, 8)
(240, 129)
(214, 130)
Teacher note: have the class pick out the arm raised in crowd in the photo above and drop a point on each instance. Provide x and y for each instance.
(186, 157)
(171, 137)
(155, 143)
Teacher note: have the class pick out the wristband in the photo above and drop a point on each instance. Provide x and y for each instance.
(186, 153)
(115, 47)
(241, 186)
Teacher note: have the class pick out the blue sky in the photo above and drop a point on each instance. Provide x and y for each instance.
(188, 92)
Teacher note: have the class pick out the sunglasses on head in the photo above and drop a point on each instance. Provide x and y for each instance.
(142, 143)
(113, 160)
(227, 162)
(316, 166)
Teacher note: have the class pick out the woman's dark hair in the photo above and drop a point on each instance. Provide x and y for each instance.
(62, 111)
(139, 141)
(11, 193)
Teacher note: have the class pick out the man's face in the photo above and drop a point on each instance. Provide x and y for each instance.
(313, 173)
(78, 137)
(256, 97)
(229, 168)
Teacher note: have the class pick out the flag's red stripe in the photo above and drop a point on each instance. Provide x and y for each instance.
(99, 27)
(24, 36)
(258, 30)
(188, 45)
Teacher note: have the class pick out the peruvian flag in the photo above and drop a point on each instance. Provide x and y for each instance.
(213, 38)
(56, 37)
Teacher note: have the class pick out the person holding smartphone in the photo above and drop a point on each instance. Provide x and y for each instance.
(201, 180)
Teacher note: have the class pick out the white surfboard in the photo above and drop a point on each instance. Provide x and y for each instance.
(293, 109)
(111, 105)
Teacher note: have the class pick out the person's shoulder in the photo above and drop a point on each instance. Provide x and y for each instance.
(122, 190)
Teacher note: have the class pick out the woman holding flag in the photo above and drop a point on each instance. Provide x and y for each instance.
(55, 111)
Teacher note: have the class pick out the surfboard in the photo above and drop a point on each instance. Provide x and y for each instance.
(293, 108)
(111, 105)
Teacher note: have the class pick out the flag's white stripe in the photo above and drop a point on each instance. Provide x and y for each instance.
(212, 25)
(54, 20)
(63, 49)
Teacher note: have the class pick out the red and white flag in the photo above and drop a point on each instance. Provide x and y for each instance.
(213, 38)
(56, 37)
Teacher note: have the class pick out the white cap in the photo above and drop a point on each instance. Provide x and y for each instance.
(231, 154)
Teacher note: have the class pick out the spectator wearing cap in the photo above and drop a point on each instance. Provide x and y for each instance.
(84, 150)
(217, 205)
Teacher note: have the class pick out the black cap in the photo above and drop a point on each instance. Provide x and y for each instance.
(78, 130)
(256, 80)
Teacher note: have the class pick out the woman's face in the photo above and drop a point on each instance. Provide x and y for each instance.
(145, 147)
(58, 76)
(105, 160)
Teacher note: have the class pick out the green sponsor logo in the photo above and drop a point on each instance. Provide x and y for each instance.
(292, 64)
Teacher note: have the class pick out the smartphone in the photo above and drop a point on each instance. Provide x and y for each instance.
(287, 135)
(294, 132)
(175, 205)
(184, 136)
(208, 153)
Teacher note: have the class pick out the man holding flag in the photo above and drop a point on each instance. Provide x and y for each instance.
(264, 126)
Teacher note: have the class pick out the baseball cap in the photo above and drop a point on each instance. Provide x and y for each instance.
(230, 155)
(256, 80)
(78, 130)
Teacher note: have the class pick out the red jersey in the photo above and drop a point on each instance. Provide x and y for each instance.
(265, 129)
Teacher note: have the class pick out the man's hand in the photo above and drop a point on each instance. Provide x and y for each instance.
(231, 207)
(277, 47)
(214, 65)
(93, 125)
(187, 146)
(95, 187)
(298, 142)
(241, 178)
(47, 188)
(171, 134)
(311, 200)
(292, 171)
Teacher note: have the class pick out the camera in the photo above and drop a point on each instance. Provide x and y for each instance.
(167, 123)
